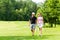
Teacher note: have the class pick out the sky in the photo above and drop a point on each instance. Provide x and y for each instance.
(38, 1)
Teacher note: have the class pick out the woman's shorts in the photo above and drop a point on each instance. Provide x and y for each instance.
(40, 25)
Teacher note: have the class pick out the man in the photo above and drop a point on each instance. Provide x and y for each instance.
(33, 23)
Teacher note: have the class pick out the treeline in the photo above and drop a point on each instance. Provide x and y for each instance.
(12, 10)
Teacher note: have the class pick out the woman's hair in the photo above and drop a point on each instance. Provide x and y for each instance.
(40, 14)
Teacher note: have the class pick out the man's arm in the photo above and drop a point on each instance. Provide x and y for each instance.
(36, 20)
(29, 22)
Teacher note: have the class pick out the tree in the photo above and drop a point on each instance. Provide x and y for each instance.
(12, 10)
(51, 9)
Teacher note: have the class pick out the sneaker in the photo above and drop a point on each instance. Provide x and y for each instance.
(40, 35)
(32, 35)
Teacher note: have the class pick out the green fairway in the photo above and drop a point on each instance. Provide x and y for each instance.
(20, 30)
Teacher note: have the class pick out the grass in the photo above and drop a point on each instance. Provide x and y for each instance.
(19, 30)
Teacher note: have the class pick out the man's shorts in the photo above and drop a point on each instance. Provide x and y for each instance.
(33, 26)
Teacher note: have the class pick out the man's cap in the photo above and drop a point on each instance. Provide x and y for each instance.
(33, 13)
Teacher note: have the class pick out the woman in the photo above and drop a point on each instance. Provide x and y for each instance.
(40, 23)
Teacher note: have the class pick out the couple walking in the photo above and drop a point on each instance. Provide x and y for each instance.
(33, 21)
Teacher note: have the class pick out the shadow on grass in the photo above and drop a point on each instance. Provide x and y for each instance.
(24, 37)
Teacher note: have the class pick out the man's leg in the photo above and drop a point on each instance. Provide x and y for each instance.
(32, 32)
(33, 29)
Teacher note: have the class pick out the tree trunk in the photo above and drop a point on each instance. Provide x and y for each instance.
(51, 24)
(55, 23)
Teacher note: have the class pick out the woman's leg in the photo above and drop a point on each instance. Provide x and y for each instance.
(40, 31)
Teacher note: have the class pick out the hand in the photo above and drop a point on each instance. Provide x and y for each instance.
(28, 24)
